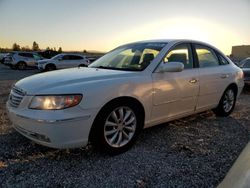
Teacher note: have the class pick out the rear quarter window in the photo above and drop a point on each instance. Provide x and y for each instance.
(222, 60)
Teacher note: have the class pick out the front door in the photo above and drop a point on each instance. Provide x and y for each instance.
(175, 93)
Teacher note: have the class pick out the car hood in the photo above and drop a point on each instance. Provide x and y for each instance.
(37, 84)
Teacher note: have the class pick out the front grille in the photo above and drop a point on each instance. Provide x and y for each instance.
(16, 96)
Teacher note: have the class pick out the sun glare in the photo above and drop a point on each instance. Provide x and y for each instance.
(182, 28)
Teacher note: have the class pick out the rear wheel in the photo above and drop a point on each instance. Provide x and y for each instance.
(116, 128)
(50, 67)
(21, 65)
(227, 103)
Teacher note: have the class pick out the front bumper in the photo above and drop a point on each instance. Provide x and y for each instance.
(60, 129)
(40, 66)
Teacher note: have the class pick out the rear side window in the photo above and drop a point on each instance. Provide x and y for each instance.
(206, 56)
(180, 53)
(75, 57)
(26, 55)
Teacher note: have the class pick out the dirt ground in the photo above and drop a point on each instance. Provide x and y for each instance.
(196, 151)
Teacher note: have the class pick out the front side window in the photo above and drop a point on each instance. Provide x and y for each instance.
(206, 56)
(132, 57)
(59, 56)
(180, 53)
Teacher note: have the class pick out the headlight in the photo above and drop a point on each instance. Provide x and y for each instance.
(57, 102)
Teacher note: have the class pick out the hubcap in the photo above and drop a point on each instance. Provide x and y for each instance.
(228, 101)
(120, 127)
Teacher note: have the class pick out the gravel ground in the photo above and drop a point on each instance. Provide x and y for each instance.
(196, 151)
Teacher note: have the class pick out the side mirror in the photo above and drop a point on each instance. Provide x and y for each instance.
(170, 67)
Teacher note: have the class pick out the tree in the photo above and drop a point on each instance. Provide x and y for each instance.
(16, 47)
(60, 49)
(48, 48)
(84, 51)
(25, 48)
(35, 46)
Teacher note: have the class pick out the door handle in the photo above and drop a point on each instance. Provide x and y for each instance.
(193, 80)
(224, 76)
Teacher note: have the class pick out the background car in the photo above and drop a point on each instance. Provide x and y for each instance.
(47, 54)
(22, 60)
(2, 57)
(62, 61)
(245, 66)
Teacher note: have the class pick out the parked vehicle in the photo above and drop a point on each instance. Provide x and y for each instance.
(135, 86)
(245, 65)
(62, 61)
(2, 57)
(22, 60)
(47, 54)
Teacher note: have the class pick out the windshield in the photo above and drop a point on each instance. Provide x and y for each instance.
(132, 57)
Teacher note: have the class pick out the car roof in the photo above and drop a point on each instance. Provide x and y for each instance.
(177, 41)
(172, 40)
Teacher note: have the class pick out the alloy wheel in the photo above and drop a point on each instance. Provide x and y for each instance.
(228, 101)
(120, 127)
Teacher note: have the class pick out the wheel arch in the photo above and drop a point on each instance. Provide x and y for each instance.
(233, 86)
(127, 99)
(50, 64)
(21, 61)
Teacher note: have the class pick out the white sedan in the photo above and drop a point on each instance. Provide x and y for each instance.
(134, 86)
(62, 61)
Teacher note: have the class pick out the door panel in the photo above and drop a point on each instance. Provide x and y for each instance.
(213, 77)
(175, 93)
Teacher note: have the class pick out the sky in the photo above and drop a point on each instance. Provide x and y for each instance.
(102, 25)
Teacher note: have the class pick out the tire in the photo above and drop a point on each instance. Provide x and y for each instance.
(21, 65)
(111, 133)
(50, 67)
(227, 103)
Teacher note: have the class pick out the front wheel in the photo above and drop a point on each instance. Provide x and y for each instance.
(116, 128)
(227, 103)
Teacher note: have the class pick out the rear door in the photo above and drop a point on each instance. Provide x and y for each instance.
(76, 60)
(65, 62)
(27, 58)
(214, 77)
